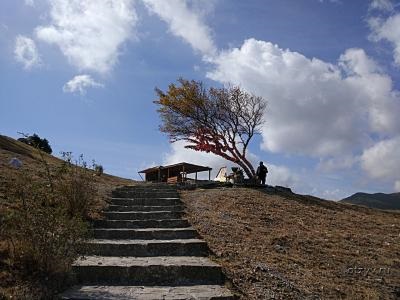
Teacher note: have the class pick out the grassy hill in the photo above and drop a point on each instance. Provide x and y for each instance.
(377, 200)
(287, 246)
(32, 163)
(19, 277)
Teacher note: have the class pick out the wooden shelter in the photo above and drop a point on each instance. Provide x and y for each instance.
(174, 173)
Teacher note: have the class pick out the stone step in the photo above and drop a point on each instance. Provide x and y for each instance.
(160, 271)
(147, 189)
(145, 208)
(171, 223)
(147, 248)
(157, 215)
(147, 233)
(204, 292)
(145, 194)
(146, 201)
(149, 185)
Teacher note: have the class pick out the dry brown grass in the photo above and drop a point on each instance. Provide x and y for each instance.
(296, 247)
(16, 278)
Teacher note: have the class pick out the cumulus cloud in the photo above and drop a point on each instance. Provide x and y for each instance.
(389, 30)
(25, 52)
(337, 163)
(314, 107)
(382, 161)
(89, 33)
(184, 22)
(80, 83)
(281, 175)
(384, 5)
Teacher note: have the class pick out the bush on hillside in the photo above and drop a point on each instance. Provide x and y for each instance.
(98, 169)
(37, 142)
(76, 189)
(47, 224)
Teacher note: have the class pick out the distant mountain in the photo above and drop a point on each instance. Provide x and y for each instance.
(378, 200)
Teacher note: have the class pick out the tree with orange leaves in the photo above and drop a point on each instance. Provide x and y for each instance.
(217, 120)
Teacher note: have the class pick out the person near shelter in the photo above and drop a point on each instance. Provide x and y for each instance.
(262, 173)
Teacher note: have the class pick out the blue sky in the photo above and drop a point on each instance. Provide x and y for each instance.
(83, 73)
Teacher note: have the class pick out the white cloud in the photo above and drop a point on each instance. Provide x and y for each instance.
(334, 194)
(89, 33)
(184, 22)
(384, 5)
(30, 2)
(80, 83)
(397, 186)
(382, 161)
(337, 163)
(283, 176)
(25, 52)
(314, 107)
(388, 30)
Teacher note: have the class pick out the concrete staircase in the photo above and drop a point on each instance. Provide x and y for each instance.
(145, 249)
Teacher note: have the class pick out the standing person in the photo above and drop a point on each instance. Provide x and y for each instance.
(262, 172)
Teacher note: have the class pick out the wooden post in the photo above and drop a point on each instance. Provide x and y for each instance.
(209, 175)
(183, 172)
(195, 178)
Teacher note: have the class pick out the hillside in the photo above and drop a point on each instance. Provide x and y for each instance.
(275, 245)
(32, 163)
(287, 246)
(377, 200)
(16, 280)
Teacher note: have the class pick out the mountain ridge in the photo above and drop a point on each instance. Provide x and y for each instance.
(375, 200)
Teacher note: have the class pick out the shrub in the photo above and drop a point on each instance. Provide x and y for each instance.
(98, 169)
(43, 239)
(75, 186)
(45, 226)
(37, 142)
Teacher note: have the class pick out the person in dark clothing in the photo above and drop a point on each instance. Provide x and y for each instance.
(262, 173)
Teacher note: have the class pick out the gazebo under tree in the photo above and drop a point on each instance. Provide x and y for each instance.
(174, 173)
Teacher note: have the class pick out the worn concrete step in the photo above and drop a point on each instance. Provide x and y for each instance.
(204, 292)
(171, 223)
(160, 270)
(148, 185)
(146, 233)
(145, 208)
(144, 194)
(147, 248)
(146, 201)
(147, 189)
(143, 215)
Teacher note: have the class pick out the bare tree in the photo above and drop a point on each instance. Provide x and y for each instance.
(218, 120)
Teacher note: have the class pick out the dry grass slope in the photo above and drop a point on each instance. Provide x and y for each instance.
(15, 279)
(298, 247)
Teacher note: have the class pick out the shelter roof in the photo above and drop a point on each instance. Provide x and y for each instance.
(189, 168)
